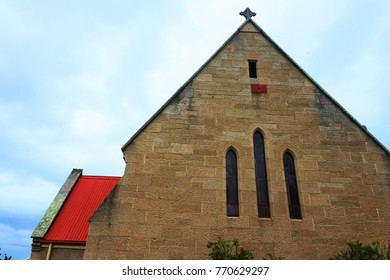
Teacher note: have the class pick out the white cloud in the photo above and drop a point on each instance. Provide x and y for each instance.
(89, 123)
(25, 194)
(100, 61)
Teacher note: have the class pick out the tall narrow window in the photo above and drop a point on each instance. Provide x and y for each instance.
(252, 69)
(291, 185)
(263, 206)
(231, 184)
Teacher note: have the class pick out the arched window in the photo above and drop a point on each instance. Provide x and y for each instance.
(291, 185)
(231, 184)
(263, 206)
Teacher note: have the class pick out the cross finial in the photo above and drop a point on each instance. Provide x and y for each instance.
(247, 13)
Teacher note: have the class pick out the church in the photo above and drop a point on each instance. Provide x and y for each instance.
(249, 148)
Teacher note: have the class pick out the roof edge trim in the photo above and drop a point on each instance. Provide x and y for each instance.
(50, 214)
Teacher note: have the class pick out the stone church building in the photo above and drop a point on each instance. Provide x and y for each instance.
(249, 148)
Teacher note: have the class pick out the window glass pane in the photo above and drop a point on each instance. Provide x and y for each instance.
(261, 177)
(231, 184)
(292, 187)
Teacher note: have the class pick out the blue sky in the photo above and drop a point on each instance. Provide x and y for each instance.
(79, 78)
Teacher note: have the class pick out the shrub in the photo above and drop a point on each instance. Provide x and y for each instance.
(358, 251)
(228, 250)
(6, 258)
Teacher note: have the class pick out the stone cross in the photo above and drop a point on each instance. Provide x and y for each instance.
(247, 13)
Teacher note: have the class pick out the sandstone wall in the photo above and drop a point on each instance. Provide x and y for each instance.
(171, 200)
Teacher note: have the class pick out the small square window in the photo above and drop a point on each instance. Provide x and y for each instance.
(252, 69)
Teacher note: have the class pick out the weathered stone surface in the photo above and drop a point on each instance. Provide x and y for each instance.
(172, 198)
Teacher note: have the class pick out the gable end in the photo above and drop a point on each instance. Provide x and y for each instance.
(250, 26)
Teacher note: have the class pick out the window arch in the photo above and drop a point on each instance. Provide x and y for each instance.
(232, 207)
(263, 207)
(294, 206)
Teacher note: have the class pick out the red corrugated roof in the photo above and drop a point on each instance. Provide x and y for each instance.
(72, 222)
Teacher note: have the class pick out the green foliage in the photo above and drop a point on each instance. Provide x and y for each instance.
(6, 258)
(228, 250)
(358, 251)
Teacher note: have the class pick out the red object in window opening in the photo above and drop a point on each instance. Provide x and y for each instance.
(259, 88)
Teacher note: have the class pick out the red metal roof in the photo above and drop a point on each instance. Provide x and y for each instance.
(72, 221)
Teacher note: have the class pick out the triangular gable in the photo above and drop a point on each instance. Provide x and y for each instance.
(250, 26)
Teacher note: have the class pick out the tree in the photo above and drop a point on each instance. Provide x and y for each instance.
(358, 251)
(228, 250)
(6, 258)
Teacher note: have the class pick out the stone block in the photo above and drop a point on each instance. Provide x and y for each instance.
(345, 201)
(319, 199)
